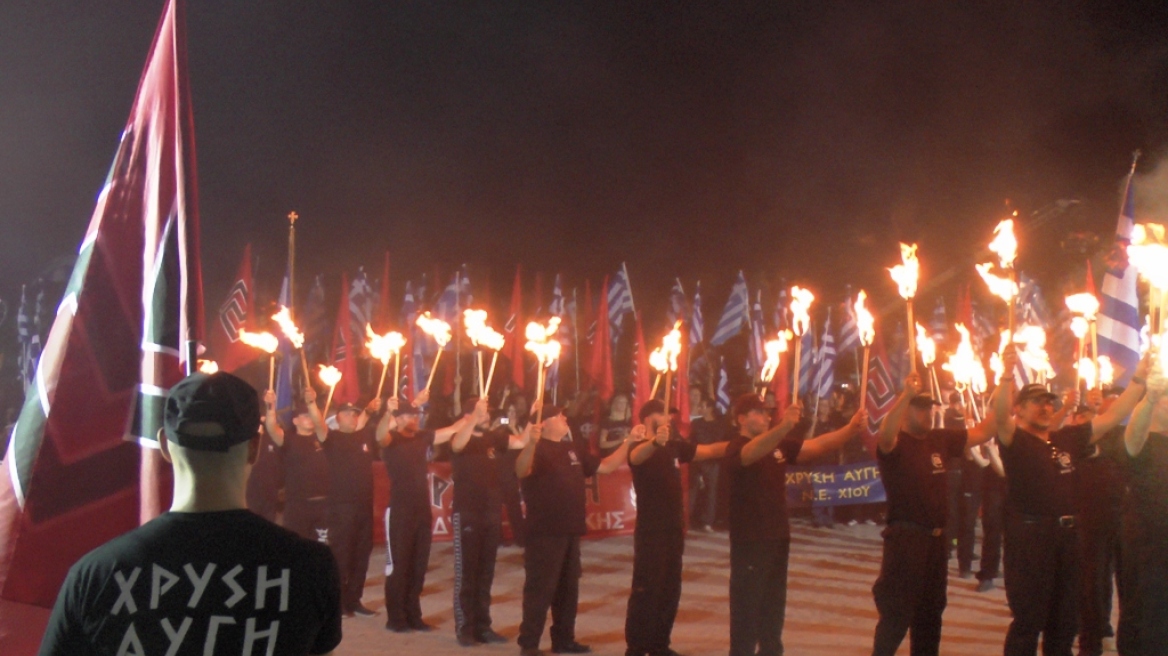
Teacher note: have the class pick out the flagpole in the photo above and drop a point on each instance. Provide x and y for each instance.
(292, 216)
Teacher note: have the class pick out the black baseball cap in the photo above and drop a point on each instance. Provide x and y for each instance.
(405, 408)
(924, 402)
(344, 407)
(217, 399)
(1032, 392)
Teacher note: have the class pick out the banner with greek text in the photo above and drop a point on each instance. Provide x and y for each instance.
(834, 485)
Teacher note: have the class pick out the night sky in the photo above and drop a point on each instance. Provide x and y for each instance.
(694, 139)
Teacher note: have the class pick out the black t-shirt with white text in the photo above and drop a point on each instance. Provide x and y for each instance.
(914, 475)
(657, 482)
(306, 467)
(350, 456)
(407, 462)
(190, 584)
(554, 490)
(1042, 474)
(758, 492)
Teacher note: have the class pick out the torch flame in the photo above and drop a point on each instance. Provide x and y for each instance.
(1087, 373)
(1106, 371)
(383, 347)
(865, 323)
(265, 342)
(926, 346)
(540, 342)
(329, 375)
(1033, 354)
(1148, 253)
(475, 322)
(905, 275)
(436, 328)
(208, 367)
(1004, 245)
(491, 339)
(772, 349)
(1004, 288)
(801, 300)
(283, 319)
(1079, 327)
(963, 363)
(1084, 304)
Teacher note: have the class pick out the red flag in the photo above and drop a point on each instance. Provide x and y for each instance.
(75, 475)
(601, 369)
(882, 391)
(345, 349)
(224, 346)
(642, 386)
(964, 307)
(515, 338)
(383, 315)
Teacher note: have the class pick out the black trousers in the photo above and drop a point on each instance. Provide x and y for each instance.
(656, 591)
(1042, 585)
(351, 539)
(308, 518)
(953, 526)
(1143, 607)
(407, 531)
(911, 592)
(758, 596)
(551, 566)
(993, 518)
(703, 492)
(1099, 545)
(970, 503)
(476, 543)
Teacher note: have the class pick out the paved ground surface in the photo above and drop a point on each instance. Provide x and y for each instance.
(829, 611)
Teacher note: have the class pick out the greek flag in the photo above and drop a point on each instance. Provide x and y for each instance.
(696, 324)
(849, 334)
(722, 402)
(735, 313)
(676, 303)
(757, 339)
(807, 366)
(1119, 315)
(825, 374)
(620, 302)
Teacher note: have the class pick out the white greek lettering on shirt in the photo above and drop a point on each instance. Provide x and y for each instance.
(263, 583)
(175, 637)
(251, 635)
(131, 640)
(213, 632)
(126, 592)
(161, 583)
(237, 592)
(199, 583)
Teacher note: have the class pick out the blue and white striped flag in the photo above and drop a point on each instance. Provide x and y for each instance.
(696, 324)
(676, 303)
(1119, 315)
(28, 339)
(556, 309)
(849, 334)
(807, 366)
(722, 400)
(757, 338)
(620, 303)
(361, 304)
(1032, 306)
(939, 324)
(734, 314)
(825, 372)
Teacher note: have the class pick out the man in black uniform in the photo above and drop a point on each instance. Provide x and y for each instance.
(265, 480)
(349, 450)
(760, 532)
(477, 520)
(552, 468)
(208, 577)
(659, 535)
(1042, 545)
(707, 428)
(407, 452)
(910, 593)
(306, 468)
(1143, 610)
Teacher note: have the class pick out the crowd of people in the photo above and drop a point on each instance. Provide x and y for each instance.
(1076, 497)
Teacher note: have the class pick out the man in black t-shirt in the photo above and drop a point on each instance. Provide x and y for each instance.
(208, 577)
(659, 535)
(552, 468)
(407, 452)
(349, 450)
(1042, 545)
(265, 481)
(760, 533)
(306, 479)
(1143, 608)
(910, 592)
(477, 519)
(706, 428)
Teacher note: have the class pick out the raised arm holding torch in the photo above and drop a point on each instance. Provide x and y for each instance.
(546, 349)
(329, 376)
(905, 275)
(773, 349)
